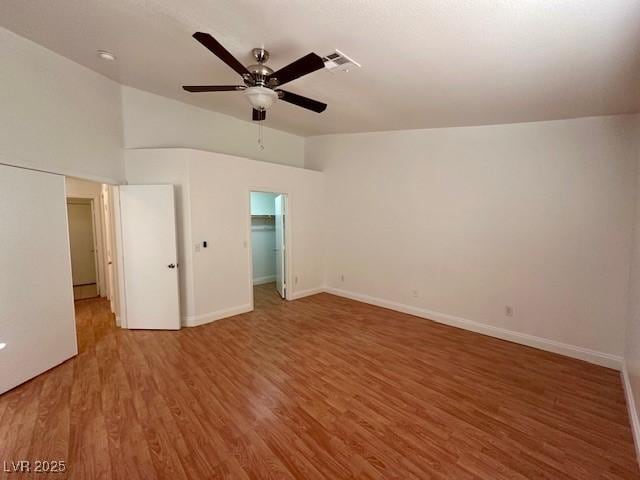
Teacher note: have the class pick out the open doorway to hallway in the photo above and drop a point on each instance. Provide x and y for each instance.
(88, 240)
(92, 241)
(269, 227)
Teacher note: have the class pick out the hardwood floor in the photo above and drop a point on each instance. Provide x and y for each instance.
(265, 296)
(319, 388)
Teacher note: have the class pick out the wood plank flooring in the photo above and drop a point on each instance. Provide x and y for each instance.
(319, 388)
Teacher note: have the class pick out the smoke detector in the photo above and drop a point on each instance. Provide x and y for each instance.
(339, 62)
(105, 55)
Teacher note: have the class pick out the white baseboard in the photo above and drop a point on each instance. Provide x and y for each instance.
(263, 280)
(591, 356)
(631, 407)
(308, 292)
(196, 320)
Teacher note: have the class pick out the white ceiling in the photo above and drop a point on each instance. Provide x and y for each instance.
(425, 63)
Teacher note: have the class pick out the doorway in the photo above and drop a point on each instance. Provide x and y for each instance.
(269, 262)
(92, 223)
(83, 243)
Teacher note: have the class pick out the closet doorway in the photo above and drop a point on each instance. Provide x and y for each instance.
(269, 231)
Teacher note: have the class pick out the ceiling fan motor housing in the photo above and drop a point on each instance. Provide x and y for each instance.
(259, 72)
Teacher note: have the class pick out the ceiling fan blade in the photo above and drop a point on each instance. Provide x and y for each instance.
(212, 88)
(303, 66)
(222, 53)
(301, 101)
(259, 115)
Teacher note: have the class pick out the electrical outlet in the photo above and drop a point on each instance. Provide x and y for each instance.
(508, 311)
(414, 293)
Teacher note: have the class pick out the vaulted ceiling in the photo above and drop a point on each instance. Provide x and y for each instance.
(425, 63)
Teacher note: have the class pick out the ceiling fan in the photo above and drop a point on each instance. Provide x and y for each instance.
(261, 83)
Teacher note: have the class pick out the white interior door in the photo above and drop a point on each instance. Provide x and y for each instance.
(37, 324)
(83, 262)
(280, 217)
(150, 260)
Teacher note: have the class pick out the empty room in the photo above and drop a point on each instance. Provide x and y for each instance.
(320, 239)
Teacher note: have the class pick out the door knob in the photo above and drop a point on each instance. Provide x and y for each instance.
(171, 265)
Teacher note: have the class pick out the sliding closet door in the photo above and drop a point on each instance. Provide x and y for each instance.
(37, 325)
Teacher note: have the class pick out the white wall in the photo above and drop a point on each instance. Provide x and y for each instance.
(56, 115)
(454, 224)
(263, 256)
(152, 121)
(36, 297)
(263, 203)
(76, 187)
(632, 336)
(214, 194)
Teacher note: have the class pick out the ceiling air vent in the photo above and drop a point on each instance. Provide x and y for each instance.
(339, 62)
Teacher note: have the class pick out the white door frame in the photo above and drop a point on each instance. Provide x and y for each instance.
(288, 256)
(105, 208)
(98, 238)
(119, 296)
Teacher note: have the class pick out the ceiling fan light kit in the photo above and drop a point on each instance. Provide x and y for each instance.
(260, 98)
(261, 83)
